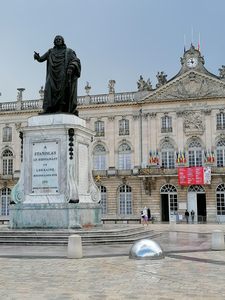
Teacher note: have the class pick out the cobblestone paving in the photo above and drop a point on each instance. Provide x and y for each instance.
(181, 275)
(114, 278)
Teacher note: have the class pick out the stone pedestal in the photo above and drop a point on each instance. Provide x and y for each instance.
(56, 187)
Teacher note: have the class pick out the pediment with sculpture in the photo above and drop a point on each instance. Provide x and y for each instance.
(189, 85)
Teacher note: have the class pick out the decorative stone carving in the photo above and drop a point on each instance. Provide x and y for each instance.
(191, 85)
(222, 72)
(146, 115)
(87, 88)
(41, 92)
(111, 118)
(193, 122)
(20, 94)
(111, 86)
(136, 117)
(152, 115)
(207, 111)
(179, 114)
(222, 136)
(18, 126)
(143, 85)
(161, 76)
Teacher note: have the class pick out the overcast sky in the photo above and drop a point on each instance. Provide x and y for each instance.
(114, 39)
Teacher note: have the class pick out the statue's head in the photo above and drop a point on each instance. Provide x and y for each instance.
(59, 41)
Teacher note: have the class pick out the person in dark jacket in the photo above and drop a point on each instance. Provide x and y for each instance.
(187, 215)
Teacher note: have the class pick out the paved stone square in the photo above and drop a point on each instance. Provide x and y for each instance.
(190, 270)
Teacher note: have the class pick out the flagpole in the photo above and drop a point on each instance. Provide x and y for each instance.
(199, 42)
(184, 43)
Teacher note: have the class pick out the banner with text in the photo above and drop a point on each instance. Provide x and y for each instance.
(194, 175)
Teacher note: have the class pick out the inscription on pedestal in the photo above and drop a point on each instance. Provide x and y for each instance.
(45, 163)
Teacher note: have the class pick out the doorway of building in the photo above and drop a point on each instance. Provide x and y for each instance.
(168, 202)
(197, 202)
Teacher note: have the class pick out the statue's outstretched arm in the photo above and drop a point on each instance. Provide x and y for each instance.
(41, 58)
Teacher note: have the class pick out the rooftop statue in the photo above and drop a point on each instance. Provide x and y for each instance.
(63, 71)
(143, 85)
(161, 79)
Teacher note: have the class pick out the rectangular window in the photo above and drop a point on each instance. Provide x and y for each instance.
(220, 121)
(125, 204)
(99, 128)
(195, 158)
(124, 161)
(7, 134)
(100, 162)
(7, 166)
(220, 157)
(166, 124)
(173, 202)
(168, 160)
(220, 204)
(124, 127)
(5, 205)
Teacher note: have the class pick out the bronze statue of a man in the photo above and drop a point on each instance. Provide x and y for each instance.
(63, 71)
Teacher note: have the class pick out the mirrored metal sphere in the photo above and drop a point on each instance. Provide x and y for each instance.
(146, 249)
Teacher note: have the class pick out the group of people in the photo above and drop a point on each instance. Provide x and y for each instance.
(187, 216)
(146, 216)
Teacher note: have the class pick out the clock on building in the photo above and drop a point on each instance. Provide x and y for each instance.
(192, 62)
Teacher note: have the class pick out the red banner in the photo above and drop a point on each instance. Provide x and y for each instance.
(194, 175)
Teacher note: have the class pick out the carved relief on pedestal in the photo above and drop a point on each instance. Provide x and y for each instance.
(193, 123)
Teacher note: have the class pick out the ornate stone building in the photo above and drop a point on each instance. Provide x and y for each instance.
(141, 140)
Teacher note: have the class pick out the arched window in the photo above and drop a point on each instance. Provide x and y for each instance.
(7, 162)
(220, 153)
(99, 157)
(220, 199)
(125, 200)
(124, 127)
(5, 201)
(99, 128)
(167, 155)
(103, 192)
(195, 154)
(124, 157)
(7, 134)
(168, 188)
(196, 189)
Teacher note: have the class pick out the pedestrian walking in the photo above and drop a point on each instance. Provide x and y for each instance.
(186, 216)
(192, 216)
(144, 216)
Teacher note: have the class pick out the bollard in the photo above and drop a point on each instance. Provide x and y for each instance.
(172, 224)
(217, 240)
(74, 246)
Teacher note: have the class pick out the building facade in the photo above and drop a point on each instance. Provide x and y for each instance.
(141, 141)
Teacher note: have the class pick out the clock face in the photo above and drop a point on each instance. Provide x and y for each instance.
(192, 62)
